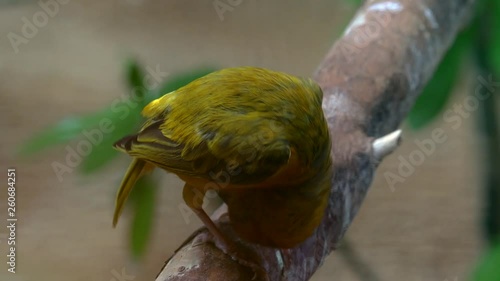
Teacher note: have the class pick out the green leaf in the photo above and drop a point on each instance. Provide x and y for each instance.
(489, 267)
(143, 196)
(103, 152)
(493, 48)
(354, 2)
(63, 131)
(101, 155)
(125, 122)
(437, 92)
(135, 78)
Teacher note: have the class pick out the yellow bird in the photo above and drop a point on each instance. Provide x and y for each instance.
(256, 136)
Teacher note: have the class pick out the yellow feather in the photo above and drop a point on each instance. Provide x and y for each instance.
(157, 106)
(135, 171)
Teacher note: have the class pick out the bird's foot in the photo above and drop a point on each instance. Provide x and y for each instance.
(242, 256)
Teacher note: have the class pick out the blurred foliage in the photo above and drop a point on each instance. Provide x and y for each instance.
(436, 93)
(490, 31)
(354, 2)
(487, 52)
(124, 115)
(142, 223)
(489, 267)
(480, 39)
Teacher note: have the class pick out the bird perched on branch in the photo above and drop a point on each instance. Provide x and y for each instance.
(256, 136)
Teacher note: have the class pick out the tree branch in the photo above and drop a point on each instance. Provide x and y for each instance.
(370, 78)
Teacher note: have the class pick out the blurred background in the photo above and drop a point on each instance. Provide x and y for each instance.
(76, 62)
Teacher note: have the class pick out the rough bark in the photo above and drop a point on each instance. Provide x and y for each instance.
(370, 77)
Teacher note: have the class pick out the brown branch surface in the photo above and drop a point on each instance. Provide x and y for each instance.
(370, 78)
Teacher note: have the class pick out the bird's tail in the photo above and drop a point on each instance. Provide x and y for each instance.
(135, 171)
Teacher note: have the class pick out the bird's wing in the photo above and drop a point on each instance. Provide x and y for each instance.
(151, 145)
(246, 154)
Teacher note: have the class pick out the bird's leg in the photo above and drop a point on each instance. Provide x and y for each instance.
(194, 199)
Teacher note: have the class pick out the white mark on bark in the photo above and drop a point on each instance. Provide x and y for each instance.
(358, 20)
(391, 6)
